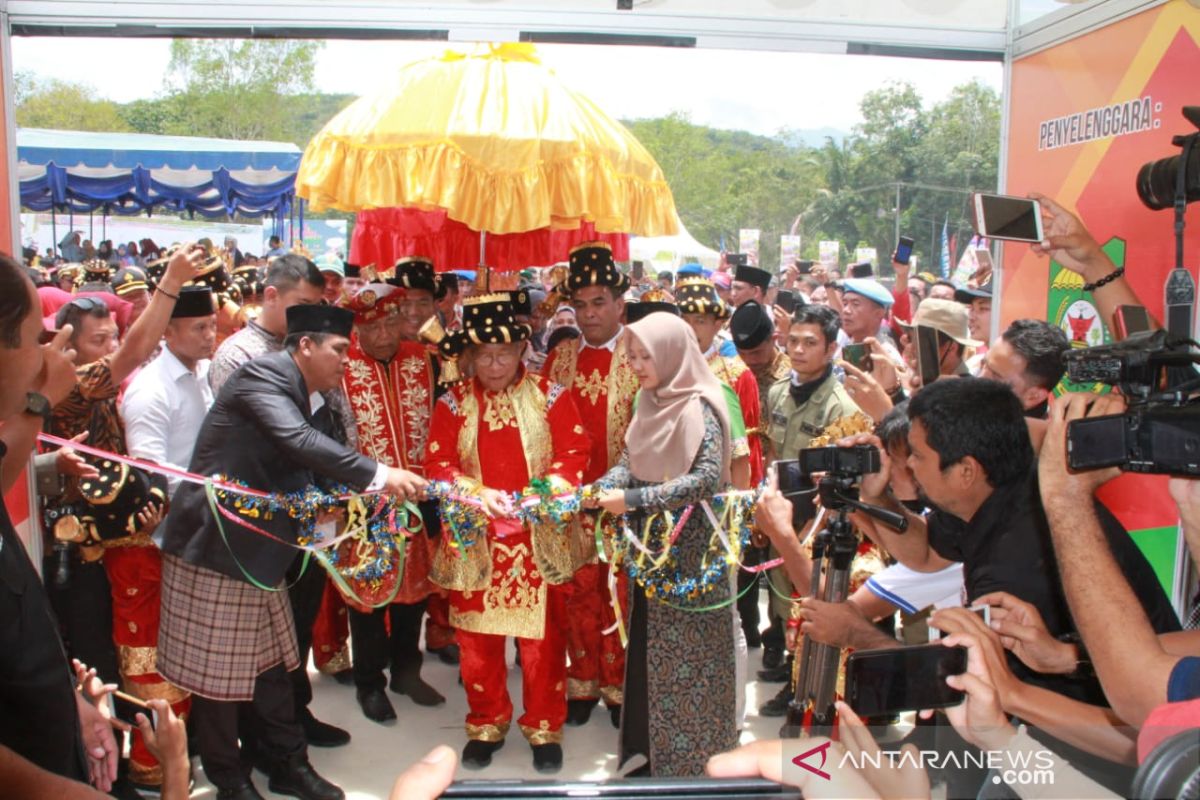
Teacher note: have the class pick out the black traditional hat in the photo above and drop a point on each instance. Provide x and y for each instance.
(699, 296)
(96, 270)
(487, 319)
(194, 301)
(751, 325)
(129, 279)
(651, 301)
(414, 272)
(352, 270)
(248, 281)
(753, 276)
(445, 282)
(522, 302)
(592, 264)
(116, 496)
(213, 275)
(319, 319)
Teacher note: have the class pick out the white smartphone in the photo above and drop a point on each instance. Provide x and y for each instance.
(1015, 219)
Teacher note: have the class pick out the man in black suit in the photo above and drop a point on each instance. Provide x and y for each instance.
(227, 633)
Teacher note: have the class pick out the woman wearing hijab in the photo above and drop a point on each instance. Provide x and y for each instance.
(680, 689)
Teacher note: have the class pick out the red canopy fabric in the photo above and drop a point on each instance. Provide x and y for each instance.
(383, 235)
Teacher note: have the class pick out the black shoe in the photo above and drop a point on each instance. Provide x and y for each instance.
(375, 705)
(614, 713)
(753, 639)
(410, 683)
(345, 677)
(777, 706)
(244, 792)
(123, 789)
(299, 779)
(478, 754)
(580, 711)
(322, 734)
(772, 657)
(260, 761)
(776, 675)
(448, 654)
(547, 757)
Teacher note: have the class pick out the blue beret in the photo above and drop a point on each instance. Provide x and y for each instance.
(871, 289)
(465, 274)
(694, 269)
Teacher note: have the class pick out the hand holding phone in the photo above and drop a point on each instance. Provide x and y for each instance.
(786, 300)
(895, 679)
(1015, 219)
(857, 354)
(904, 248)
(126, 707)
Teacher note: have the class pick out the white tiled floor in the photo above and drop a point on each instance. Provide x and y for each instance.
(367, 766)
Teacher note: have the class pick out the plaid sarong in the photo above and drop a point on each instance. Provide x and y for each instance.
(218, 634)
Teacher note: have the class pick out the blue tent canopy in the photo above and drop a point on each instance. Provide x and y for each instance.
(128, 173)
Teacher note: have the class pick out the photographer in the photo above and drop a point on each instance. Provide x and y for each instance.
(1138, 670)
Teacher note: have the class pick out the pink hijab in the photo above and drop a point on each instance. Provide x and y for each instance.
(668, 425)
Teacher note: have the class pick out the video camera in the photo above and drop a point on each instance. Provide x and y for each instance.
(1159, 433)
(841, 469)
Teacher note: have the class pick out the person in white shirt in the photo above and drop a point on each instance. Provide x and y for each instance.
(162, 410)
(165, 404)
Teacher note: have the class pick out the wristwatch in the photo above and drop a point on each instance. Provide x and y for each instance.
(38, 405)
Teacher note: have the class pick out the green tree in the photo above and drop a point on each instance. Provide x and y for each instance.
(237, 88)
(62, 105)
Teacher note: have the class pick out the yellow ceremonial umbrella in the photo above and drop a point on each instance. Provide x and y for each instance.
(496, 140)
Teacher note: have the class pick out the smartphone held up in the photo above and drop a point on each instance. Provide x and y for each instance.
(1014, 219)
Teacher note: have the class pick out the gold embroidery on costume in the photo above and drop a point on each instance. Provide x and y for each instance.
(590, 387)
(470, 568)
(155, 691)
(511, 605)
(414, 402)
(498, 410)
(487, 733)
(137, 660)
(622, 386)
(541, 734)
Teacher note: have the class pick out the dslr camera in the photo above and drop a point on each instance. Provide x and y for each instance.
(1159, 433)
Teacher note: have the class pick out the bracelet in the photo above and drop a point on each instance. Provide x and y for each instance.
(161, 290)
(1107, 279)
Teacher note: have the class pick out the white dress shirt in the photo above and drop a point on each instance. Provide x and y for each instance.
(610, 345)
(163, 409)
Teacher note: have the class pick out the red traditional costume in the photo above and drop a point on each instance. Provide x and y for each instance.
(390, 404)
(603, 386)
(699, 296)
(508, 579)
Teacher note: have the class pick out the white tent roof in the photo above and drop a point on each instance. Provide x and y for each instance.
(668, 253)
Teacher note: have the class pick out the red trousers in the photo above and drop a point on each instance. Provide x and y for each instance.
(597, 659)
(331, 631)
(135, 574)
(543, 680)
(438, 632)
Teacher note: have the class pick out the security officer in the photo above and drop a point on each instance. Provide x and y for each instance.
(801, 406)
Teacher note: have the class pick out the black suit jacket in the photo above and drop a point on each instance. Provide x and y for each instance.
(260, 431)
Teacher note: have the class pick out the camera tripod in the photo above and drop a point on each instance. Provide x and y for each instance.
(811, 708)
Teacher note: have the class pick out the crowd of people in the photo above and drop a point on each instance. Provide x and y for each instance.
(542, 464)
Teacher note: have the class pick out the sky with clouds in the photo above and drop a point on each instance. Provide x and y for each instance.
(758, 91)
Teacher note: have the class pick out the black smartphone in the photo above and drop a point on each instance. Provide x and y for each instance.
(1128, 320)
(126, 707)
(804, 266)
(786, 300)
(638, 270)
(929, 365)
(857, 354)
(1017, 219)
(862, 269)
(736, 259)
(895, 679)
(904, 250)
(632, 789)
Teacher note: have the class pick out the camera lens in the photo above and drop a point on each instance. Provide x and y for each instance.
(1156, 180)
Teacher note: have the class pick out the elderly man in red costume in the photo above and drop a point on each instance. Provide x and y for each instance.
(496, 433)
(390, 385)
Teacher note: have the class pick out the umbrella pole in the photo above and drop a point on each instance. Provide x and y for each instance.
(54, 227)
(92, 226)
(487, 274)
